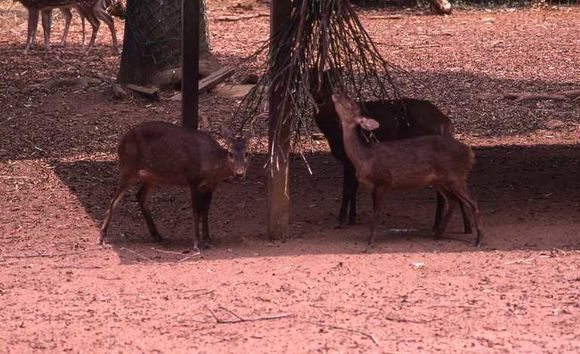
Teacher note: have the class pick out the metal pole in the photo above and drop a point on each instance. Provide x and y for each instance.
(190, 63)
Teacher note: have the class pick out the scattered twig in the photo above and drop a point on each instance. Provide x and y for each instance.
(135, 253)
(386, 17)
(454, 306)
(199, 291)
(406, 320)
(198, 253)
(239, 319)
(556, 96)
(240, 17)
(168, 252)
(149, 92)
(521, 260)
(15, 177)
(192, 296)
(47, 255)
(366, 334)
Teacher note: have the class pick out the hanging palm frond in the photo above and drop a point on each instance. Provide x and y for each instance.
(320, 35)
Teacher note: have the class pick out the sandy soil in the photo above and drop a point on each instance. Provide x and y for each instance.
(317, 292)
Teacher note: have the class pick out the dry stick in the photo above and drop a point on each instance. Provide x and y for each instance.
(366, 334)
(49, 255)
(530, 96)
(200, 294)
(452, 306)
(521, 260)
(135, 253)
(241, 17)
(405, 320)
(244, 319)
(189, 257)
(387, 17)
(168, 252)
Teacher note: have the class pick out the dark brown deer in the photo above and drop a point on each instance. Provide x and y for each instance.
(422, 118)
(93, 10)
(158, 153)
(437, 161)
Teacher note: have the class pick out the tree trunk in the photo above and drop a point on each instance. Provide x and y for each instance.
(152, 44)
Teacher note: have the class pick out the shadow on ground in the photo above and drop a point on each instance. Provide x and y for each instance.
(530, 197)
(56, 125)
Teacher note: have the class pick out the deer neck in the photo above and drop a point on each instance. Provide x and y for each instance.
(355, 150)
(222, 169)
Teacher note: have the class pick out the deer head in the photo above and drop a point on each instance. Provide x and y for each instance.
(238, 155)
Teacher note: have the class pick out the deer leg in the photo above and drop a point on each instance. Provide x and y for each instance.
(123, 185)
(32, 25)
(353, 191)
(346, 186)
(66, 13)
(94, 22)
(206, 202)
(196, 203)
(101, 14)
(467, 227)
(378, 196)
(461, 193)
(438, 211)
(446, 211)
(83, 28)
(46, 25)
(142, 196)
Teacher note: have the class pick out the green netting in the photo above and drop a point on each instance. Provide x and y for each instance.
(156, 25)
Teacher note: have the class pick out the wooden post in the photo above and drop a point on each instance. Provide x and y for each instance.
(190, 63)
(279, 138)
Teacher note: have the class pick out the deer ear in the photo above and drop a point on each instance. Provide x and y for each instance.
(367, 123)
(227, 133)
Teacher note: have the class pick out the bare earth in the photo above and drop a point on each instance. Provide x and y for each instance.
(60, 292)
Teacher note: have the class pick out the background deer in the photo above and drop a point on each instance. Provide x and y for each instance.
(93, 10)
(158, 153)
(422, 118)
(434, 161)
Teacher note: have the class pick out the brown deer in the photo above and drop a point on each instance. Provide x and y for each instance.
(159, 153)
(93, 10)
(422, 118)
(437, 161)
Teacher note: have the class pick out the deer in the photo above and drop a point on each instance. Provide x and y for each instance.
(438, 161)
(93, 10)
(422, 118)
(159, 153)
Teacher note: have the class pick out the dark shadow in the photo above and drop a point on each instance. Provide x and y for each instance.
(530, 198)
(59, 121)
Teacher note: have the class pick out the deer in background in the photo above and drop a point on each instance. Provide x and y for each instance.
(93, 10)
(159, 153)
(438, 161)
(422, 118)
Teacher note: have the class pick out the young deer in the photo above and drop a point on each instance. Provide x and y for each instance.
(93, 10)
(158, 153)
(423, 118)
(434, 161)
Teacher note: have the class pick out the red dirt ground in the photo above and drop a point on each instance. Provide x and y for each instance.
(520, 293)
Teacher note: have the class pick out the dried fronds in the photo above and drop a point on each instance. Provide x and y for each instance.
(320, 35)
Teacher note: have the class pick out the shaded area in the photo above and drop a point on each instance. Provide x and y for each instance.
(56, 125)
(523, 191)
